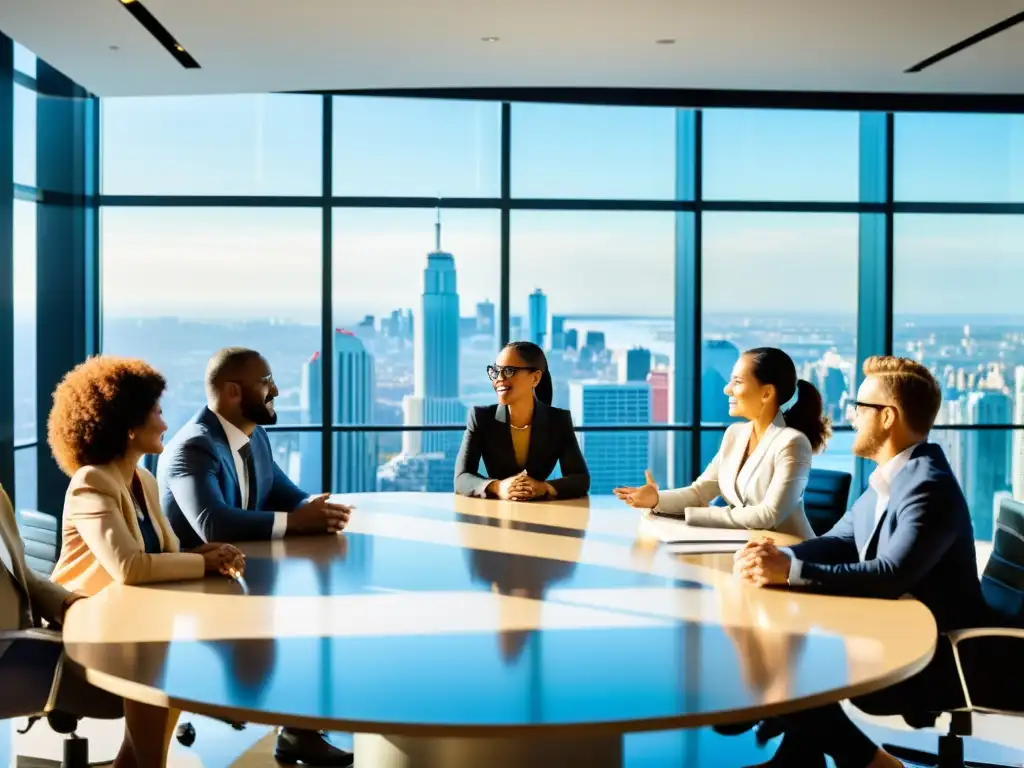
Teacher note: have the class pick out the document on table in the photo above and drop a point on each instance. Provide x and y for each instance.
(679, 538)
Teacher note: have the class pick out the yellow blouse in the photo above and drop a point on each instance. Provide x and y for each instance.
(521, 444)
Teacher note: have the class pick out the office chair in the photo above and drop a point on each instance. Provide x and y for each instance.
(39, 533)
(825, 498)
(990, 685)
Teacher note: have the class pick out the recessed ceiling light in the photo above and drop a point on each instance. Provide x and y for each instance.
(490, 39)
(666, 41)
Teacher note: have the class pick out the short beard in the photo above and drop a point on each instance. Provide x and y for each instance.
(258, 413)
(866, 446)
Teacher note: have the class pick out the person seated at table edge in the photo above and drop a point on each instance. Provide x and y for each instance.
(522, 437)
(763, 463)
(909, 533)
(218, 478)
(106, 415)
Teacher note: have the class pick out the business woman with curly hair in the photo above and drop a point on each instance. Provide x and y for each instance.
(106, 416)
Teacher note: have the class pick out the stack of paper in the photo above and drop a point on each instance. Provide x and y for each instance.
(678, 537)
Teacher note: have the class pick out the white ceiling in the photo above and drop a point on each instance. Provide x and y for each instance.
(270, 45)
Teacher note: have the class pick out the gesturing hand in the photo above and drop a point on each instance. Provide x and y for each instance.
(643, 496)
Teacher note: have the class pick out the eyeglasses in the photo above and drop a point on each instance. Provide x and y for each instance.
(495, 372)
(851, 408)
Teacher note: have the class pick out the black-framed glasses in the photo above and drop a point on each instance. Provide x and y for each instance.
(851, 408)
(495, 372)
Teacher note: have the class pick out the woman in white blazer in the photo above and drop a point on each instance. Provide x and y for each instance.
(762, 466)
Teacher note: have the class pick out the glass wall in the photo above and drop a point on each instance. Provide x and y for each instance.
(23, 251)
(643, 248)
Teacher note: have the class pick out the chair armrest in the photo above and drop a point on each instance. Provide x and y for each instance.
(46, 635)
(959, 635)
(962, 635)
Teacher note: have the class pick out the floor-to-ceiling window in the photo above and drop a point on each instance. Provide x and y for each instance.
(957, 277)
(24, 282)
(643, 248)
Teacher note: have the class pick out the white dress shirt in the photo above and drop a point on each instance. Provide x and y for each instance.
(881, 481)
(236, 439)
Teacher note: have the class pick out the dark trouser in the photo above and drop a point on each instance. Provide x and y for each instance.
(29, 670)
(828, 730)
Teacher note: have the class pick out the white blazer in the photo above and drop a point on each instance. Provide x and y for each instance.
(767, 493)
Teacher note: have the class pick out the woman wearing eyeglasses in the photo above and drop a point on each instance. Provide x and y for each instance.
(521, 438)
(762, 466)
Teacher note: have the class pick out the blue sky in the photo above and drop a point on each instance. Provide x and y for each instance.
(155, 260)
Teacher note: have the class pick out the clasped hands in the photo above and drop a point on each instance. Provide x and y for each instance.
(522, 487)
(761, 563)
(224, 559)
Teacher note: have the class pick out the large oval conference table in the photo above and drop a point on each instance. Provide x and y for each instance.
(449, 631)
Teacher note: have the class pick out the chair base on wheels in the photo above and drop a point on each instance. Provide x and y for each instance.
(186, 732)
(76, 752)
(951, 748)
(948, 756)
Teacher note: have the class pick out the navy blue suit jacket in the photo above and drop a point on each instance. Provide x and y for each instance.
(199, 489)
(923, 546)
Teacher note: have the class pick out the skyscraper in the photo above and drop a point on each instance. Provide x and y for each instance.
(659, 381)
(436, 352)
(636, 365)
(538, 317)
(718, 358)
(355, 462)
(485, 318)
(435, 359)
(987, 457)
(557, 332)
(613, 458)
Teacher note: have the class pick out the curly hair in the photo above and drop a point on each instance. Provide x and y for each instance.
(96, 405)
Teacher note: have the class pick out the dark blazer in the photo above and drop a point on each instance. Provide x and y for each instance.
(923, 546)
(199, 489)
(552, 441)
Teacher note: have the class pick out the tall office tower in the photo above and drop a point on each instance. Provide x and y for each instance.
(987, 457)
(613, 458)
(1018, 434)
(557, 332)
(538, 318)
(595, 342)
(367, 328)
(636, 365)
(485, 318)
(572, 339)
(659, 441)
(436, 352)
(355, 462)
(407, 325)
(718, 358)
(951, 412)
(436, 358)
(515, 328)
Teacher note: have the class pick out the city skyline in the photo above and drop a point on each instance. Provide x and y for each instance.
(180, 281)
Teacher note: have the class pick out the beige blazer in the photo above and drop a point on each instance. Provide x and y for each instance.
(47, 598)
(101, 540)
(766, 493)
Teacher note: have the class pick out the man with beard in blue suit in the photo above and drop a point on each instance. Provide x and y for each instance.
(219, 482)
